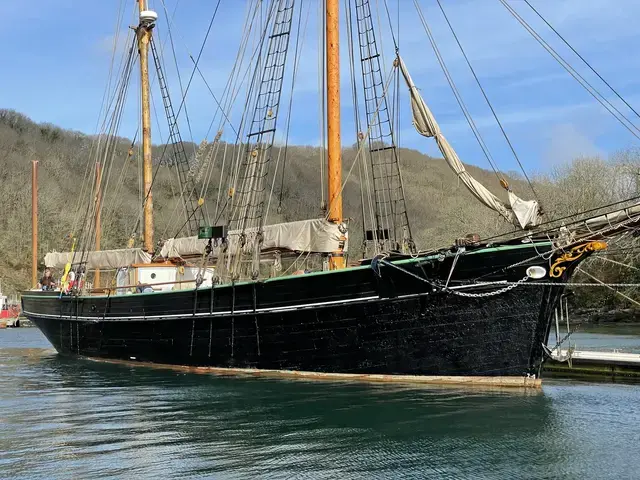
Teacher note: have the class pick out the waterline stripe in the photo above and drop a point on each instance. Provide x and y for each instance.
(449, 380)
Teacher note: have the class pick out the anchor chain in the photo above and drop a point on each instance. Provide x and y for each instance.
(492, 293)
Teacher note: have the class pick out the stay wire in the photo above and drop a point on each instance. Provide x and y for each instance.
(164, 150)
(393, 35)
(252, 95)
(104, 106)
(456, 93)
(232, 89)
(356, 117)
(224, 114)
(484, 94)
(202, 77)
(630, 126)
(551, 229)
(84, 243)
(175, 61)
(581, 58)
(296, 62)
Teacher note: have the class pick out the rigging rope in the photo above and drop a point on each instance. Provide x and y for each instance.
(234, 172)
(581, 58)
(252, 95)
(616, 262)
(484, 94)
(232, 90)
(611, 285)
(249, 200)
(579, 78)
(456, 93)
(108, 154)
(175, 61)
(357, 123)
(202, 77)
(188, 195)
(393, 36)
(296, 64)
(392, 227)
(520, 235)
(368, 45)
(322, 47)
(363, 143)
(105, 106)
(159, 164)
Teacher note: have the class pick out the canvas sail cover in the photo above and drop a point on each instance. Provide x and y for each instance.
(523, 213)
(316, 235)
(105, 259)
(613, 218)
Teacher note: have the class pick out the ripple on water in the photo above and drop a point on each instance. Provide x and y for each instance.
(76, 419)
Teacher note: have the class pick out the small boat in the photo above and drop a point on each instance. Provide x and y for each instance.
(9, 311)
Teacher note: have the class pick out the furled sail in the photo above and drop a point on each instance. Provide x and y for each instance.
(523, 213)
(104, 259)
(315, 235)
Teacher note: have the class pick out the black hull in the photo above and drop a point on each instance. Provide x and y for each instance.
(355, 321)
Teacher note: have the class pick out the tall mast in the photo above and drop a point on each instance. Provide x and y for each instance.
(147, 22)
(96, 278)
(34, 223)
(334, 147)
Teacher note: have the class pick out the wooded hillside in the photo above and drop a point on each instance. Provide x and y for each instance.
(440, 209)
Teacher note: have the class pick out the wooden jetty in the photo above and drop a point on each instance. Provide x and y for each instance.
(587, 363)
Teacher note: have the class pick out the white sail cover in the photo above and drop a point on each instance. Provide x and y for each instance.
(523, 213)
(105, 259)
(613, 218)
(316, 235)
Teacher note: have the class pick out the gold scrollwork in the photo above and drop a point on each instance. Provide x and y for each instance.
(558, 267)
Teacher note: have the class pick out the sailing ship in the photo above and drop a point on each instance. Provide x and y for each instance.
(226, 296)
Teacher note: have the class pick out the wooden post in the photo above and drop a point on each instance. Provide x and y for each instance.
(144, 37)
(34, 223)
(98, 203)
(334, 169)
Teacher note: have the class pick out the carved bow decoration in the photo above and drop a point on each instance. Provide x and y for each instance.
(559, 265)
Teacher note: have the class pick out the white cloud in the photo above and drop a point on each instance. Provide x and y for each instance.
(566, 142)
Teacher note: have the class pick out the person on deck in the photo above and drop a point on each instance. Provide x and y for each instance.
(82, 273)
(144, 288)
(71, 281)
(47, 282)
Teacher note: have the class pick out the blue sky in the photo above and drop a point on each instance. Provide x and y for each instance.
(57, 52)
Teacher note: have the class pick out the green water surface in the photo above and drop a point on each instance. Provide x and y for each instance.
(63, 418)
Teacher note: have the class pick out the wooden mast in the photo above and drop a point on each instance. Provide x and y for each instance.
(34, 223)
(334, 169)
(96, 278)
(144, 37)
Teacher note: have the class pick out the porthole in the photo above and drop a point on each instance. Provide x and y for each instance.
(536, 272)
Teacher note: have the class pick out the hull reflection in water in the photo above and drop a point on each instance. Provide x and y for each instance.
(93, 420)
(389, 319)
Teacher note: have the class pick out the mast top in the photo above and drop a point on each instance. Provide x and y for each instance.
(148, 18)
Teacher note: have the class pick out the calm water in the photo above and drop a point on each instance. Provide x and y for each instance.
(78, 419)
(605, 338)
